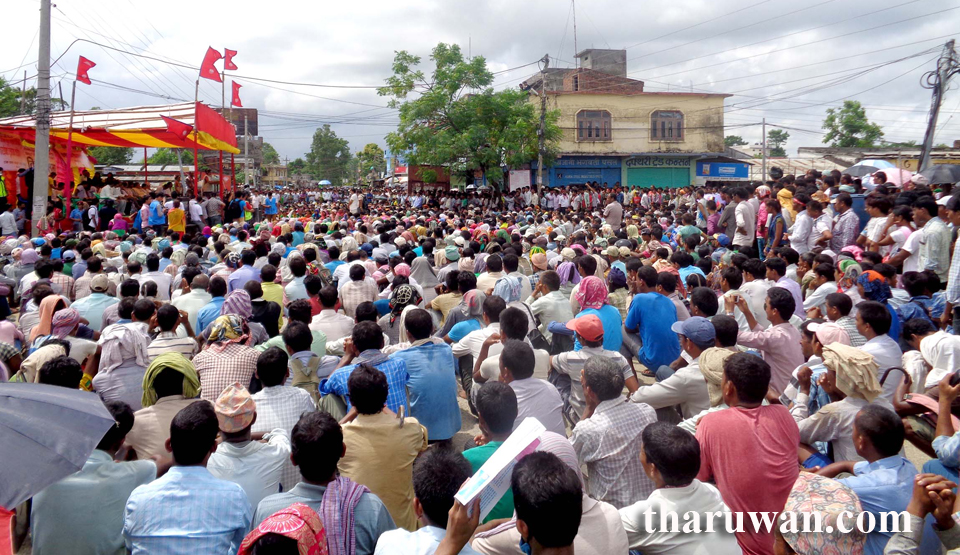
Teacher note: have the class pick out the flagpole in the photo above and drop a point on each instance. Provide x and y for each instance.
(223, 104)
(146, 173)
(68, 189)
(196, 137)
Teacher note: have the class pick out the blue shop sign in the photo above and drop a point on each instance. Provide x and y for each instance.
(719, 171)
(577, 170)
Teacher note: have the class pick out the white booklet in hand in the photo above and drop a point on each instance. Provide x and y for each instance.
(493, 478)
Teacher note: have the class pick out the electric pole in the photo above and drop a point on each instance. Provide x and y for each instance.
(246, 152)
(541, 133)
(41, 165)
(938, 80)
(763, 152)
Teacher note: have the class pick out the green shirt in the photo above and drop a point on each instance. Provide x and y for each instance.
(479, 455)
(689, 230)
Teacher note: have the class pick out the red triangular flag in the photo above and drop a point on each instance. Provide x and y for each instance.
(178, 128)
(228, 59)
(208, 69)
(235, 101)
(83, 66)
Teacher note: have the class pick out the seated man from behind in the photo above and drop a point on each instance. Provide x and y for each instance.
(497, 408)
(438, 474)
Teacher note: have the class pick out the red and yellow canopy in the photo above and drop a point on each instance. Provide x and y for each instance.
(139, 127)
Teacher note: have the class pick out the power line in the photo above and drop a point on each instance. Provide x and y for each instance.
(698, 24)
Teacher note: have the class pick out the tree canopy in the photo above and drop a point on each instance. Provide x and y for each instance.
(329, 156)
(296, 166)
(270, 154)
(849, 127)
(458, 120)
(168, 157)
(10, 97)
(733, 140)
(776, 138)
(371, 160)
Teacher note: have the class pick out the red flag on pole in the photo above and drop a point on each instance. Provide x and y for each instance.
(178, 128)
(83, 66)
(228, 59)
(235, 101)
(208, 69)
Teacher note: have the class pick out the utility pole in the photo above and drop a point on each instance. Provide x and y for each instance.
(41, 165)
(246, 152)
(286, 171)
(23, 95)
(938, 80)
(573, 5)
(541, 133)
(763, 151)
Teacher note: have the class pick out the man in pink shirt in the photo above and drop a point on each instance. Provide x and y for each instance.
(780, 343)
(749, 450)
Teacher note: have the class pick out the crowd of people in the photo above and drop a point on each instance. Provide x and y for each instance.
(299, 372)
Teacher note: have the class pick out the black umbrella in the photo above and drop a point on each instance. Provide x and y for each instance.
(861, 169)
(942, 173)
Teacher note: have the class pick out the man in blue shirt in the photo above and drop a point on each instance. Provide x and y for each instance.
(188, 510)
(651, 315)
(884, 481)
(271, 206)
(211, 311)
(367, 342)
(433, 383)
(157, 218)
(246, 272)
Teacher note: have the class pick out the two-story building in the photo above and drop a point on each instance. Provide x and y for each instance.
(616, 132)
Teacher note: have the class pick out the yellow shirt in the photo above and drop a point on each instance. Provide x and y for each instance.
(175, 220)
(380, 456)
(273, 292)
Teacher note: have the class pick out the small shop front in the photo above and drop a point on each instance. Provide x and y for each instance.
(664, 171)
(577, 170)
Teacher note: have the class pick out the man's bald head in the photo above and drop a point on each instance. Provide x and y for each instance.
(200, 282)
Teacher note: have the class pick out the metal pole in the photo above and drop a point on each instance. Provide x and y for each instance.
(146, 173)
(42, 143)
(543, 123)
(23, 95)
(763, 150)
(196, 137)
(223, 104)
(68, 189)
(945, 67)
(573, 4)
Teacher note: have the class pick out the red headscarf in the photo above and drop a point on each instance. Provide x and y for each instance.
(297, 522)
(592, 292)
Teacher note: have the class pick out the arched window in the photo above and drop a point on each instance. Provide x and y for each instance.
(593, 125)
(666, 125)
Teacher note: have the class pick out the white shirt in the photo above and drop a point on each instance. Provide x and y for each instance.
(162, 280)
(552, 307)
(833, 423)
(539, 399)
(422, 542)
(473, 342)
(912, 245)
(8, 223)
(697, 497)
(818, 298)
(280, 407)
(887, 354)
(756, 292)
(746, 219)
(800, 233)
(191, 303)
(333, 324)
(686, 387)
(254, 466)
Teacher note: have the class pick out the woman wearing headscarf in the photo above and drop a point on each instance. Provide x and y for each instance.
(828, 499)
(297, 527)
(618, 293)
(569, 276)
(592, 297)
(422, 274)
(466, 317)
(121, 363)
(787, 209)
(403, 297)
(872, 286)
(227, 356)
(48, 307)
(238, 303)
(601, 529)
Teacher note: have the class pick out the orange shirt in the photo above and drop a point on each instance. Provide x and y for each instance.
(175, 220)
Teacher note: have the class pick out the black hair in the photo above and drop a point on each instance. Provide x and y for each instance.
(519, 358)
(298, 266)
(300, 310)
(825, 270)
(452, 278)
(706, 300)
(466, 281)
(149, 289)
(674, 452)
(272, 366)
(438, 474)
(750, 376)
(367, 335)
(123, 423)
(193, 433)
(316, 445)
(547, 497)
(94, 265)
(754, 267)
(514, 323)
(494, 263)
(367, 312)
(153, 262)
(419, 324)
(602, 374)
(551, 280)
(254, 289)
(876, 316)
(778, 265)
(667, 281)
(492, 307)
(167, 317)
(297, 336)
(790, 255)
(328, 296)
(916, 327)
(882, 427)
(44, 268)
(840, 301)
(497, 404)
(927, 203)
(733, 276)
(782, 301)
(588, 264)
(915, 283)
(368, 389)
(511, 263)
(62, 371)
(357, 272)
(125, 307)
(129, 288)
(143, 309)
(726, 329)
(218, 287)
(648, 275)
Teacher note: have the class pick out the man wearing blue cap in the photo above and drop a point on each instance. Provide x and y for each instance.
(687, 386)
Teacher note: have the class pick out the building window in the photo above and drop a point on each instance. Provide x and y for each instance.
(666, 125)
(593, 125)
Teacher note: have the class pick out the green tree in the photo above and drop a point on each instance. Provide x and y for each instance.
(168, 157)
(270, 154)
(329, 156)
(457, 119)
(849, 127)
(371, 161)
(733, 140)
(776, 138)
(296, 166)
(110, 155)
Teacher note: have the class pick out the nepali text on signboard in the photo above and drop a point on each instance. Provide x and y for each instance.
(723, 170)
(658, 162)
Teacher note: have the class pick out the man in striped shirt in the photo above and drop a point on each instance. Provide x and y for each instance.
(168, 319)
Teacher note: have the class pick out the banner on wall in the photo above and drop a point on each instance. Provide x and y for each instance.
(14, 154)
(519, 179)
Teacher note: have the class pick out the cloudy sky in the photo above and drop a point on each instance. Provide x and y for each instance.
(784, 60)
